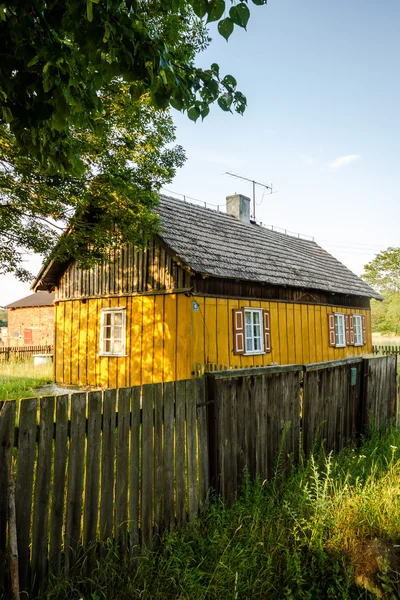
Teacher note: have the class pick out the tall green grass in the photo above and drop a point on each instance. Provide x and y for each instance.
(328, 529)
(20, 379)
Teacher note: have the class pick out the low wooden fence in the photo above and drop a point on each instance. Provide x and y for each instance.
(127, 464)
(120, 464)
(385, 349)
(23, 352)
(250, 410)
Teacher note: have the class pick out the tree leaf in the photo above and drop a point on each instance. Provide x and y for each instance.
(240, 14)
(229, 82)
(200, 7)
(215, 69)
(225, 101)
(89, 10)
(225, 27)
(34, 60)
(259, 2)
(216, 10)
(204, 111)
(193, 113)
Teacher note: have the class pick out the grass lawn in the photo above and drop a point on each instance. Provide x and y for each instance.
(21, 379)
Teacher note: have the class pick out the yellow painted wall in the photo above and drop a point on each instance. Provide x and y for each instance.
(167, 338)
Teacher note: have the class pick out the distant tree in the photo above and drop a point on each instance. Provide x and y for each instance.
(383, 273)
(3, 317)
(56, 57)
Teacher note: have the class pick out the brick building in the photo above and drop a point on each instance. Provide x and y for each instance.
(31, 320)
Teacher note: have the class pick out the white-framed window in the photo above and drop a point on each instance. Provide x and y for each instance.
(358, 330)
(113, 331)
(340, 331)
(253, 331)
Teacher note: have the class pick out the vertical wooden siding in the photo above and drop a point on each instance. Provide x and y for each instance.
(128, 271)
(156, 336)
(299, 333)
(167, 338)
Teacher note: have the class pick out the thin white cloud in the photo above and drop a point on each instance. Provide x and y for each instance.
(306, 159)
(343, 161)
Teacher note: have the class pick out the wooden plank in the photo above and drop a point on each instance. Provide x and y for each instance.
(107, 465)
(40, 517)
(257, 371)
(92, 485)
(59, 478)
(180, 458)
(7, 425)
(332, 363)
(147, 465)
(169, 482)
(158, 457)
(24, 486)
(75, 476)
(134, 483)
(122, 477)
(191, 435)
(202, 445)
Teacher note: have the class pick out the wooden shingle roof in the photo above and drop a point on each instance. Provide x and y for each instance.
(216, 244)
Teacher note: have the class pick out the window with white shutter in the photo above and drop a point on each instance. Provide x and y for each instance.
(358, 330)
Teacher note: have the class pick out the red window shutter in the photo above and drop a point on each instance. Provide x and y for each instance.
(347, 329)
(267, 331)
(238, 331)
(351, 330)
(364, 328)
(332, 332)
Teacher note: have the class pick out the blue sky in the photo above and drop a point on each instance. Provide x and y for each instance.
(322, 124)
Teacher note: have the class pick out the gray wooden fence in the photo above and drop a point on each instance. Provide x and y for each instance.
(127, 464)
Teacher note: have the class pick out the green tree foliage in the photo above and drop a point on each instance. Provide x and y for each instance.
(108, 203)
(56, 57)
(383, 273)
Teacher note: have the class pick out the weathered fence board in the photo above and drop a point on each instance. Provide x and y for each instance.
(22, 352)
(24, 485)
(7, 422)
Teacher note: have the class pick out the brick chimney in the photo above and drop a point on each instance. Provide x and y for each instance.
(239, 207)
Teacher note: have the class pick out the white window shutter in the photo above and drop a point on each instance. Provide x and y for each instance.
(238, 331)
(332, 332)
(267, 331)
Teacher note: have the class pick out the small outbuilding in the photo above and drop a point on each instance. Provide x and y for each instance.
(31, 320)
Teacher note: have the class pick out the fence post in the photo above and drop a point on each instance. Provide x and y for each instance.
(362, 416)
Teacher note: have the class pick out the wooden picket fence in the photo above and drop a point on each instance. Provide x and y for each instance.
(127, 464)
(120, 464)
(385, 350)
(22, 352)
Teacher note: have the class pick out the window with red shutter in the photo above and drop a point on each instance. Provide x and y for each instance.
(351, 330)
(347, 328)
(238, 331)
(364, 329)
(331, 326)
(267, 331)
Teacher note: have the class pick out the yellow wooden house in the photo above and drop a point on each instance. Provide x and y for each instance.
(212, 289)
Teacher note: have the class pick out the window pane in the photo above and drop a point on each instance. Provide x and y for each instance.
(117, 318)
(107, 346)
(107, 332)
(107, 318)
(117, 347)
(118, 332)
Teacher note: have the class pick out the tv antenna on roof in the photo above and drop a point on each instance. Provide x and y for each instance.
(267, 187)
